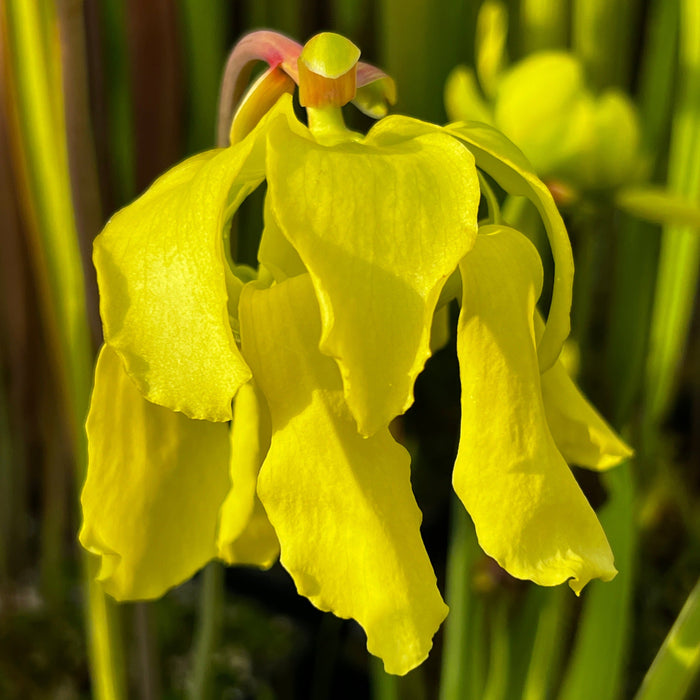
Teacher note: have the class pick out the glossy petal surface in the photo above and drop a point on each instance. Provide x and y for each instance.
(530, 514)
(379, 228)
(245, 534)
(156, 480)
(341, 504)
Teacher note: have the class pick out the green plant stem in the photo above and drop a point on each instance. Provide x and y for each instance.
(34, 68)
(597, 662)
(676, 666)
(637, 243)
(679, 261)
(119, 101)
(146, 652)
(204, 34)
(543, 25)
(384, 685)
(459, 661)
(546, 652)
(420, 44)
(208, 630)
(499, 651)
(82, 162)
(657, 72)
(601, 36)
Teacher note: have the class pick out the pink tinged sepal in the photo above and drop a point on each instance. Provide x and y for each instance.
(273, 48)
(375, 89)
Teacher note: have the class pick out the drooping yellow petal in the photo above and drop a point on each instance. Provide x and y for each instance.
(155, 482)
(380, 228)
(530, 514)
(245, 534)
(161, 270)
(501, 159)
(341, 504)
(581, 434)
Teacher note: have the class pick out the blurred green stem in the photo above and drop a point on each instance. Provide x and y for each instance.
(499, 652)
(384, 685)
(39, 125)
(460, 673)
(543, 25)
(204, 32)
(208, 629)
(680, 247)
(118, 98)
(676, 666)
(597, 661)
(546, 652)
(601, 34)
(637, 244)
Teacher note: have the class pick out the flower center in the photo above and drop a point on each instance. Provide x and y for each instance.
(327, 71)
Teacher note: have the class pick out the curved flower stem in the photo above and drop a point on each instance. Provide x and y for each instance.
(208, 628)
(491, 201)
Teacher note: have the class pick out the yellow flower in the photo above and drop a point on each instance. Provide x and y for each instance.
(242, 414)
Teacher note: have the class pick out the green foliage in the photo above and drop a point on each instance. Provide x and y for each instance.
(601, 99)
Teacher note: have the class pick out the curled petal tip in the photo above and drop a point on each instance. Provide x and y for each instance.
(275, 49)
(376, 91)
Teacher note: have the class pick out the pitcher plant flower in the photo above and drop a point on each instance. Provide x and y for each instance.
(243, 414)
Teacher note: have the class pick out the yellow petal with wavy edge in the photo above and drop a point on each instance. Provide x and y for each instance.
(161, 270)
(380, 229)
(155, 482)
(341, 504)
(501, 159)
(530, 514)
(245, 534)
(581, 434)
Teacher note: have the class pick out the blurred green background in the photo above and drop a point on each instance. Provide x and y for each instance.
(130, 88)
